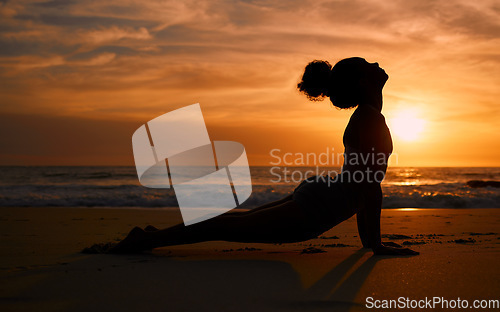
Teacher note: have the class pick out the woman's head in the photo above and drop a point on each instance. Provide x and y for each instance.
(348, 83)
(316, 80)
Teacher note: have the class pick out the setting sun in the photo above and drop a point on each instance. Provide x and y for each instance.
(406, 125)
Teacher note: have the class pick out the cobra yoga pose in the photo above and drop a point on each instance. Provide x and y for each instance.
(318, 203)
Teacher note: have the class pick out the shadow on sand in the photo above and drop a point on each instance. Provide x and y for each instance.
(144, 282)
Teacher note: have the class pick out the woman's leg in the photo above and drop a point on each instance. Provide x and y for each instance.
(151, 228)
(281, 223)
(271, 204)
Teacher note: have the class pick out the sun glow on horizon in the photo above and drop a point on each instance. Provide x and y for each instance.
(406, 125)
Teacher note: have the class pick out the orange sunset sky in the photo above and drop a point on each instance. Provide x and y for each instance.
(78, 77)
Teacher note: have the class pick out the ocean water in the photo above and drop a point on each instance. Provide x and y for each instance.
(119, 187)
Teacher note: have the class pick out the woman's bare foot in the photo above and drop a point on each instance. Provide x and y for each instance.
(136, 241)
(101, 248)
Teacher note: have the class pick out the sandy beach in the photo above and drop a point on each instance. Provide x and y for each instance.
(42, 268)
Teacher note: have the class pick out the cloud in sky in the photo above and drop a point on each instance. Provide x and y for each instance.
(131, 61)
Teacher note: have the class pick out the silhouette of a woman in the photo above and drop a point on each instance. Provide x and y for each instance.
(318, 203)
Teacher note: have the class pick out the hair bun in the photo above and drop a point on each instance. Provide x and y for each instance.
(315, 81)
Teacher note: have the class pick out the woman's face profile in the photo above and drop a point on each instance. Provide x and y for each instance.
(366, 75)
(372, 72)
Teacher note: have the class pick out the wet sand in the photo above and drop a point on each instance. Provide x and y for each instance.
(42, 268)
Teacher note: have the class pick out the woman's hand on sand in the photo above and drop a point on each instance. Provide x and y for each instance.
(391, 244)
(394, 251)
(387, 244)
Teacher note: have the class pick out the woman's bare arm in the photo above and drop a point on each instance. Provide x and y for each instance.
(369, 225)
(360, 219)
(368, 218)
